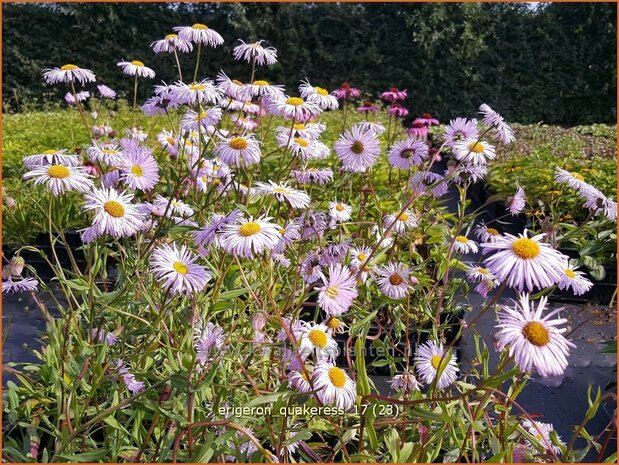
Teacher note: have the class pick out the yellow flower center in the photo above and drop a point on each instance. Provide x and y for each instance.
(171, 141)
(526, 248)
(299, 127)
(436, 361)
(318, 338)
(180, 267)
(137, 63)
(402, 217)
(569, 273)
(362, 257)
(109, 151)
(333, 323)
(238, 143)
(171, 36)
(199, 26)
(49, 152)
(492, 231)
(198, 87)
(357, 147)
(249, 229)
(69, 67)
(201, 116)
(332, 292)
(536, 333)
(461, 239)
(280, 190)
(301, 142)
(476, 147)
(339, 207)
(237, 82)
(261, 83)
(482, 270)
(114, 208)
(578, 176)
(136, 171)
(58, 172)
(295, 101)
(395, 279)
(321, 91)
(337, 377)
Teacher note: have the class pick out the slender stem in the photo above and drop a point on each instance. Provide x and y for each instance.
(178, 65)
(195, 73)
(135, 99)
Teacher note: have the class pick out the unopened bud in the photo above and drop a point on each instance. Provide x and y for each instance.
(17, 266)
(258, 321)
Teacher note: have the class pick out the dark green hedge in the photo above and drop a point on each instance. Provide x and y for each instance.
(555, 63)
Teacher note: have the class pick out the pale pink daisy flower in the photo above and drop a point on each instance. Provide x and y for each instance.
(68, 73)
(333, 385)
(464, 245)
(432, 361)
(359, 255)
(403, 221)
(339, 212)
(406, 382)
(575, 280)
(133, 385)
(106, 153)
(196, 92)
(318, 176)
(249, 237)
(11, 286)
(247, 124)
(375, 127)
(534, 340)
(357, 149)
(394, 280)
(598, 203)
(136, 68)
(523, 261)
(473, 151)
(207, 117)
(338, 291)
(176, 268)
(478, 273)
(407, 153)
(171, 43)
(492, 119)
(459, 129)
(199, 34)
(139, 170)
(541, 432)
(61, 178)
(209, 340)
(283, 192)
(106, 92)
(51, 157)
(318, 96)
(173, 207)
(255, 52)
(394, 94)
(239, 151)
(486, 234)
(293, 108)
(81, 96)
(315, 338)
(114, 213)
(233, 89)
(516, 203)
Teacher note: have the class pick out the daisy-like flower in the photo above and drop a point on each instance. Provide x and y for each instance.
(299, 381)
(333, 385)
(418, 131)
(408, 153)
(516, 203)
(397, 110)
(357, 149)
(459, 129)
(133, 385)
(140, 169)
(464, 245)
(51, 157)
(68, 73)
(473, 151)
(304, 148)
(104, 337)
(427, 120)
(523, 261)
(208, 234)
(486, 234)
(571, 278)
(394, 94)
(573, 179)
(541, 432)
(239, 151)
(262, 88)
(106, 153)
(534, 340)
(599, 203)
(345, 92)
(421, 181)
(209, 340)
(318, 176)
(310, 268)
(177, 269)
(359, 255)
(393, 280)
(491, 118)
(283, 192)
(478, 273)
(293, 108)
(173, 207)
(196, 92)
(339, 212)
(486, 285)
(208, 117)
(61, 178)
(199, 34)
(318, 96)
(316, 338)
(246, 124)
(255, 52)
(290, 233)
(114, 213)
(136, 68)
(106, 92)
(338, 291)
(432, 360)
(250, 237)
(367, 107)
(12, 285)
(406, 382)
(335, 326)
(81, 96)
(233, 88)
(403, 221)
(170, 44)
